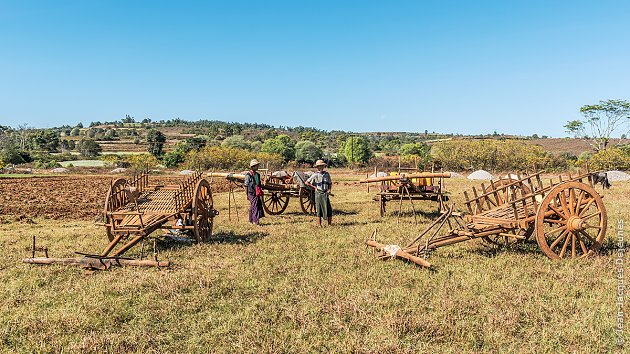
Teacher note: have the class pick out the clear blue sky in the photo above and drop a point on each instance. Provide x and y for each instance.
(519, 67)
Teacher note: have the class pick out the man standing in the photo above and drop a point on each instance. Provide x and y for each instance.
(322, 183)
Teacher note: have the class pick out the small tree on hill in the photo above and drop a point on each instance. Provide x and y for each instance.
(89, 148)
(307, 151)
(356, 149)
(156, 140)
(281, 145)
(600, 122)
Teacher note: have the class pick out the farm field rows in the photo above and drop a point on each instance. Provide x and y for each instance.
(290, 287)
(74, 197)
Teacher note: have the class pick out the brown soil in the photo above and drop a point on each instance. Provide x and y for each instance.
(64, 197)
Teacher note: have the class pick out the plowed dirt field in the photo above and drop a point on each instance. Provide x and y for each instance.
(79, 197)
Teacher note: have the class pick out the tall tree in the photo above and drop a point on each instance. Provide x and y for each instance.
(156, 140)
(356, 149)
(600, 122)
(282, 145)
(307, 151)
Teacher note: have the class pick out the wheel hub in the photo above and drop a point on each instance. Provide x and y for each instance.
(576, 223)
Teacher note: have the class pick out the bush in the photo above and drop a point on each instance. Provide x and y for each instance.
(224, 158)
(141, 162)
(173, 158)
(46, 164)
(609, 159)
(490, 154)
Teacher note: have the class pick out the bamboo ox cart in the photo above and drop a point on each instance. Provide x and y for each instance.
(413, 186)
(278, 191)
(134, 209)
(566, 215)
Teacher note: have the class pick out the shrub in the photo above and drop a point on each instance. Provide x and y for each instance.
(225, 158)
(141, 162)
(490, 154)
(609, 159)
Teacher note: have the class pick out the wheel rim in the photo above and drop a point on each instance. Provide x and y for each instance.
(571, 221)
(203, 211)
(307, 201)
(275, 202)
(116, 199)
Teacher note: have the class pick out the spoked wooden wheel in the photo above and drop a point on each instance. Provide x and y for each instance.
(571, 221)
(275, 202)
(307, 201)
(203, 211)
(506, 241)
(116, 199)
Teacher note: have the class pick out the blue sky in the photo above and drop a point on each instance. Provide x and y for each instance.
(518, 67)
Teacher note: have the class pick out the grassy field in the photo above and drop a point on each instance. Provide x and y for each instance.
(290, 287)
(83, 163)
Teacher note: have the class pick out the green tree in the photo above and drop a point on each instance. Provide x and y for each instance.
(419, 152)
(236, 141)
(89, 148)
(356, 149)
(281, 145)
(600, 122)
(307, 151)
(47, 140)
(156, 140)
(75, 131)
(173, 158)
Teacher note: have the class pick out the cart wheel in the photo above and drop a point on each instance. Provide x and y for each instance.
(203, 211)
(505, 241)
(116, 199)
(571, 221)
(275, 202)
(307, 201)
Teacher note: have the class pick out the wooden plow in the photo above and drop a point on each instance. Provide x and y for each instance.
(278, 191)
(134, 209)
(408, 186)
(566, 215)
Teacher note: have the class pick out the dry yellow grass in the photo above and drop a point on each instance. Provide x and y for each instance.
(290, 287)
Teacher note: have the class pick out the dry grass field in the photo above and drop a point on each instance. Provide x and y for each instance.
(291, 287)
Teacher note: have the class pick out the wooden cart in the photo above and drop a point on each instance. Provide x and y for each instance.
(279, 190)
(134, 209)
(566, 215)
(396, 186)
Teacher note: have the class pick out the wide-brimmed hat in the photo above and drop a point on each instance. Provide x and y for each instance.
(253, 163)
(319, 163)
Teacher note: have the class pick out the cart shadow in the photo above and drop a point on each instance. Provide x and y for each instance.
(409, 213)
(227, 237)
(231, 237)
(491, 251)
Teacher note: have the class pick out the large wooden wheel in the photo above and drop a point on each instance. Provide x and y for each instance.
(571, 221)
(275, 202)
(203, 211)
(307, 201)
(116, 199)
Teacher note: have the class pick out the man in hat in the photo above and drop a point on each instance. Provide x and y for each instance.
(254, 193)
(322, 183)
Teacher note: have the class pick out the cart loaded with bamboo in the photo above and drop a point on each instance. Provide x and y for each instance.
(134, 209)
(565, 214)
